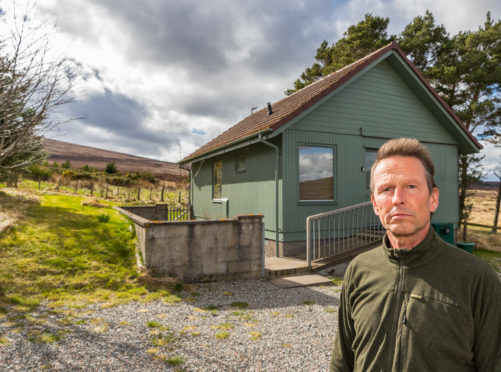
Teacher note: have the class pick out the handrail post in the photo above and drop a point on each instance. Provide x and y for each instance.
(308, 247)
(353, 226)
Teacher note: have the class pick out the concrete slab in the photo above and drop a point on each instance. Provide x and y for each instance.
(300, 281)
(282, 263)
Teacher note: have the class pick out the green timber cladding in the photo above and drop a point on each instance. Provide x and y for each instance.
(384, 98)
(248, 192)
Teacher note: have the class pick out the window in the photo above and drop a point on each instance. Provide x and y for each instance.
(240, 163)
(217, 182)
(316, 173)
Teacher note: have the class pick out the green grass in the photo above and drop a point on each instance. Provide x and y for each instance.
(222, 335)
(490, 257)
(103, 218)
(44, 337)
(240, 305)
(223, 326)
(175, 361)
(335, 281)
(59, 252)
(153, 324)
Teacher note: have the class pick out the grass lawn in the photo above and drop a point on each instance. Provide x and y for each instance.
(487, 245)
(59, 250)
(67, 254)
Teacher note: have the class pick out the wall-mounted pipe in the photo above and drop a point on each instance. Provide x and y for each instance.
(276, 189)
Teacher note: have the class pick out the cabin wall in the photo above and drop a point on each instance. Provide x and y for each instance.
(377, 106)
(248, 192)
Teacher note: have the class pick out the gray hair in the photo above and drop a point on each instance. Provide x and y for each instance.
(406, 147)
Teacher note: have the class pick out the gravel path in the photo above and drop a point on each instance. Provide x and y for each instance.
(209, 330)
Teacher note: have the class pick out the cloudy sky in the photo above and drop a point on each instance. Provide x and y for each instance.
(159, 78)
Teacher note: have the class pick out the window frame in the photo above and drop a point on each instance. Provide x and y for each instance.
(368, 171)
(237, 156)
(214, 197)
(334, 176)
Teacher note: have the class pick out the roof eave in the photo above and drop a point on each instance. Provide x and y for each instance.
(444, 104)
(242, 142)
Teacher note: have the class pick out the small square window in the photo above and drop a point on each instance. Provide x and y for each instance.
(240, 163)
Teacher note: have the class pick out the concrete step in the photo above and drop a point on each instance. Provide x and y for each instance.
(275, 267)
(343, 257)
(300, 281)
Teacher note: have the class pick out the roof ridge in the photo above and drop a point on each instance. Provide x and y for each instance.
(341, 69)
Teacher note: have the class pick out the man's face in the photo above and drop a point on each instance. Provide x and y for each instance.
(401, 197)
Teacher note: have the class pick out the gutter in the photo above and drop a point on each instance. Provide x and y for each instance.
(246, 141)
(261, 140)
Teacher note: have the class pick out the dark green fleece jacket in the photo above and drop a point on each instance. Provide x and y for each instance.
(431, 308)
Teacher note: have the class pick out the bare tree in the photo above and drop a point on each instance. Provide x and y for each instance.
(32, 85)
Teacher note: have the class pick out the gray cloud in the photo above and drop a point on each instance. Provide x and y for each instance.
(235, 55)
(204, 37)
(123, 119)
(220, 57)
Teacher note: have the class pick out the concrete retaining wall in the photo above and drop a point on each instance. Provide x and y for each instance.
(200, 250)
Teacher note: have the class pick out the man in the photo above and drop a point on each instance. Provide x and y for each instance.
(415, 303)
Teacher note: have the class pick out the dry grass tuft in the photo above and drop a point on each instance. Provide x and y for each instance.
(6, 221)
(152, 281)
(484, 206)
(485, 240)
(13, 205)
(93, 202)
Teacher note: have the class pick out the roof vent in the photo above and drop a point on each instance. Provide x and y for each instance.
(270, 111)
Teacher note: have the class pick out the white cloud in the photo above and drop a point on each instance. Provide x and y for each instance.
(492, 160)
(175, 69)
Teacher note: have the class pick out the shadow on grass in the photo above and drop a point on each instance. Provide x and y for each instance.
(63, 251)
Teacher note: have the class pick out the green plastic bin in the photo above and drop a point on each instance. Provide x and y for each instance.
(466, 246)
(445, 231)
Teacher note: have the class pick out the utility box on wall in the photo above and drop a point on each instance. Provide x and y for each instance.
(445, 231)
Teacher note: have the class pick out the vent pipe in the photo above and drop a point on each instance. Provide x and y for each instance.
(270, 111)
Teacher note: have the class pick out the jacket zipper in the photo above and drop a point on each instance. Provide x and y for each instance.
(396, 314)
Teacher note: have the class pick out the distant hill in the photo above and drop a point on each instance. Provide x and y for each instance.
(79, 156)
(486, 185)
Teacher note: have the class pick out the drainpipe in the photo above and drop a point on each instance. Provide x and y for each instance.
(276, 188)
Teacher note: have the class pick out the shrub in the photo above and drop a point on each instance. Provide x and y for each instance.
(111, 168)
(103, 218)
(66, 164)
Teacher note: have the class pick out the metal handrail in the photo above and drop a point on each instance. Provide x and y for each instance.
(175, 214)
(341, 230)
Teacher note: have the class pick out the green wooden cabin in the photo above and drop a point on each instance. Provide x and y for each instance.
(311, 152)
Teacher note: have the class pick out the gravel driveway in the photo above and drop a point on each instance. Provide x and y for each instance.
(211, 329)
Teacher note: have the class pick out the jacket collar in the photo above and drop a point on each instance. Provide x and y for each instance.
(420, 254)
